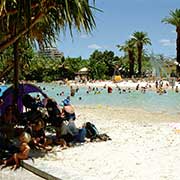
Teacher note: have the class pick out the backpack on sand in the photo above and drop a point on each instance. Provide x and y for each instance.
(93, 134)
(91, 131)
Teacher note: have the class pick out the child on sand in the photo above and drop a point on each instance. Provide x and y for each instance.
(38, 137)
(23, 153)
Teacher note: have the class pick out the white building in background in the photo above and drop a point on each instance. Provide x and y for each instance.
(82, 75)
(51, 52)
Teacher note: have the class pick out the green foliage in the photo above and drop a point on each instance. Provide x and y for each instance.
(42, 21)
(26, 53)
(101, 64)
(54, 69)
(133, 48)
(174, 19)
(75, 64)
(37, 67)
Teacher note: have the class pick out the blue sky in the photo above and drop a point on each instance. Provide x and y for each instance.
(118, 21)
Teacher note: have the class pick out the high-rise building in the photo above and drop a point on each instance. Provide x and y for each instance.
(51, 52)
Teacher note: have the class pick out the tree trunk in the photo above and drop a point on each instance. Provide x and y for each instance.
(16, 73)
(178, 51)
(139, 48)
(131, 64)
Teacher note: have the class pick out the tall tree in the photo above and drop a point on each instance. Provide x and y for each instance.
(174, 19)
(50, 17)
(109, 59)
(97, 66)
(19, 17)
(129, 48)
(140, 39)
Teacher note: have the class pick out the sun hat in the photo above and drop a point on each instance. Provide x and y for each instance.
(66, 102)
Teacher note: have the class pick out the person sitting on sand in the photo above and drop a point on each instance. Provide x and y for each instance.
(68, 111)
(29, 102)
(63, 133)
(38, 138)
(23, 153)
(70, 133)
(8, 121)
(54, 112)
(9, 117)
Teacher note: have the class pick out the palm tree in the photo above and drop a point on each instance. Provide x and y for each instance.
(19, 17)
(140, 39)
(174, 20)
(129, 48)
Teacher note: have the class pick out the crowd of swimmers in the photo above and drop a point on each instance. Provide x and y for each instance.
(160, 87)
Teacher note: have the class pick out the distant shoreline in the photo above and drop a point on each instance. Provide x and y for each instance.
(124, 84)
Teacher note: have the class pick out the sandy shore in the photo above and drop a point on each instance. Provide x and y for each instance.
(19, 174)
(144, 146)
(127, 84)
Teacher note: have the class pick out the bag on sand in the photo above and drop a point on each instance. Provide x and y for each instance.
(91, 131)
(93, 134)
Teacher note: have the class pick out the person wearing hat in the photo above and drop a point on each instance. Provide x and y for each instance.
(72, 132)
(68, 111)
(67, 130)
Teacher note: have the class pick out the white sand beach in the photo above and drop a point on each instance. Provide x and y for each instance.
(19, 174)
(144, 146)
(125, 83)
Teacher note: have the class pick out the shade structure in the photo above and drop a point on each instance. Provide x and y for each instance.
(23, 89)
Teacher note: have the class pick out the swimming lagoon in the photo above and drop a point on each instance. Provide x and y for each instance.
(149, 101)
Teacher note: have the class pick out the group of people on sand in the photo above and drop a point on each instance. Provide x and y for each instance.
(8, 122)
(21, 132)
(159, 86)
(63, 119)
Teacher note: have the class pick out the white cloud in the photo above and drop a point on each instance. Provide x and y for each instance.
(84, 36)
(167, 42)
(94, 46)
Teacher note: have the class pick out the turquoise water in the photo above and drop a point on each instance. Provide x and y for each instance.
(149, 101)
